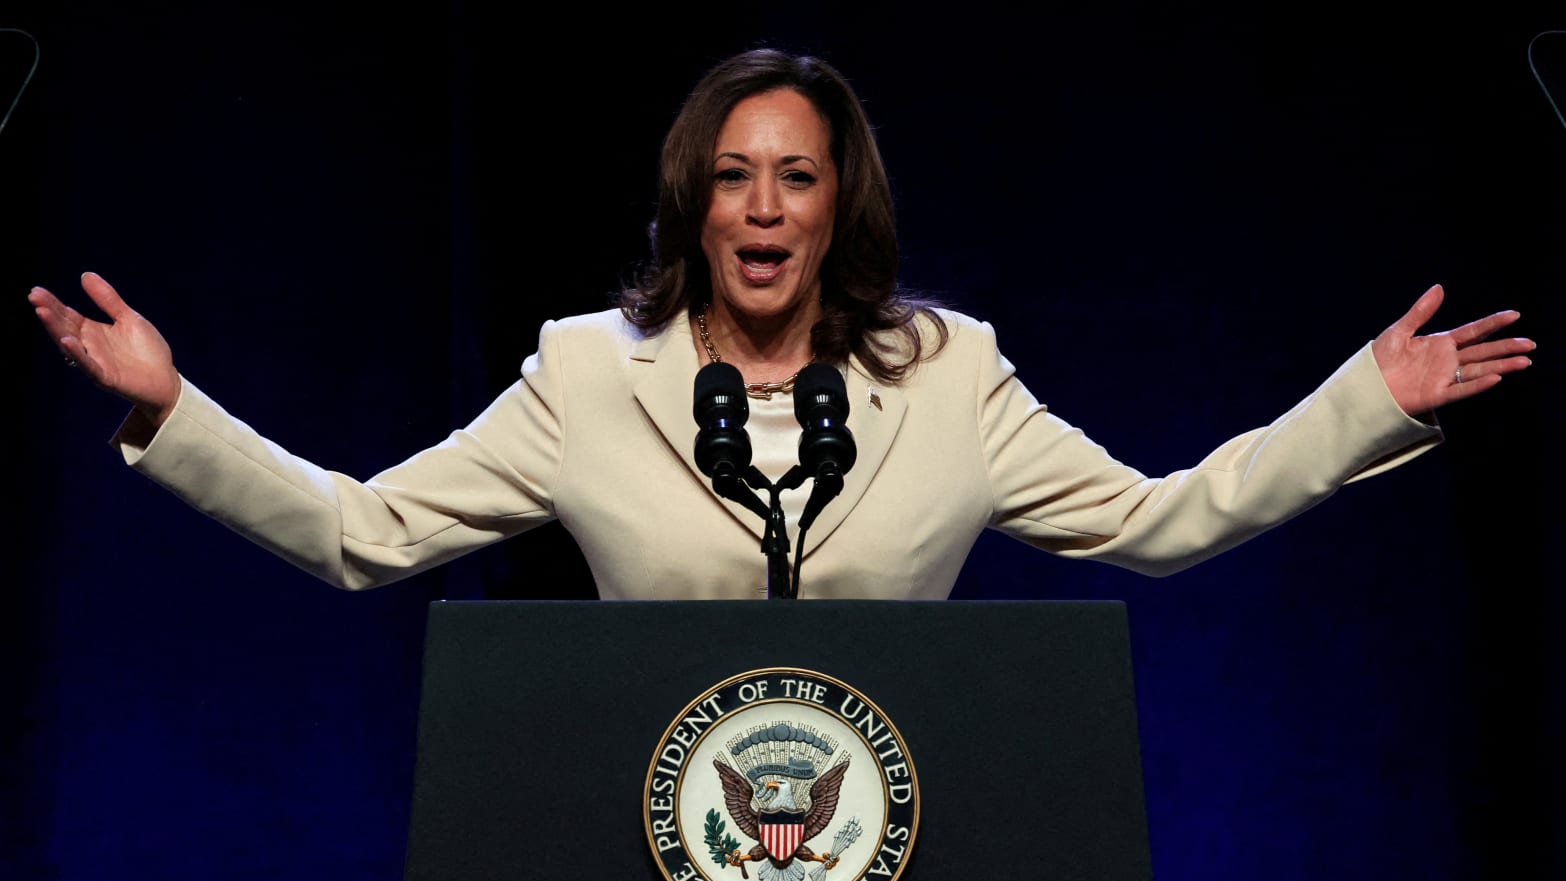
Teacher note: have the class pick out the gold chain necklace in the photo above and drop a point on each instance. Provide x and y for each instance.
(759, 390)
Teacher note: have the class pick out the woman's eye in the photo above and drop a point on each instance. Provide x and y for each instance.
(797, 178)
(729, 177)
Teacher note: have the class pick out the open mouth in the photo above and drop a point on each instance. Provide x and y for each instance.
(762, 264)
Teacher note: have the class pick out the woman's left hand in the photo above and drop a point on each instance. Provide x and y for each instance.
(1425, 372)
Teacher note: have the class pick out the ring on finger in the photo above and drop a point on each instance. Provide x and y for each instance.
(1457, 375)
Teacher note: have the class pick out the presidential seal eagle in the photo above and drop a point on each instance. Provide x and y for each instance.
(764, 805)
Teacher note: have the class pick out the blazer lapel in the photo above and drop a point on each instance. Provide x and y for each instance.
(663, 379)
(875, 412)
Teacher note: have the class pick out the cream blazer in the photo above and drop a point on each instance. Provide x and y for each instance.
(598, 432)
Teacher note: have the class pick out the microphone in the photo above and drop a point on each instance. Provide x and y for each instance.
(722, 446)
(826, 446)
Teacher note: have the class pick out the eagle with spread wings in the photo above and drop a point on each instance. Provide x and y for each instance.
(769, 813)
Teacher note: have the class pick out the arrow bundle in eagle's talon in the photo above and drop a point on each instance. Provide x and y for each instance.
(845, 836)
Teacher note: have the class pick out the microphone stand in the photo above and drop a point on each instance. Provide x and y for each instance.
(828, 483)
(782, 584)
(826, 449)
(774, 542)
(728, 483)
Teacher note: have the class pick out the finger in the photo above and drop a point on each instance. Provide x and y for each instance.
(1472, 373)
(43, 298)
(104, 295)
(63, 325)
(1494, 349)
(1475, 331)
(1422, 311)
(75, 353)
(1470, 387)
(58, 319)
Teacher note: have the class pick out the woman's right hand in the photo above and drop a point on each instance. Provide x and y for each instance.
(126, 356)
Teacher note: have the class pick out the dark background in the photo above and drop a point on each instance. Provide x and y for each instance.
(350, 223)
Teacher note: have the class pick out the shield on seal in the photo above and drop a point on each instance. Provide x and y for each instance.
(781, 833)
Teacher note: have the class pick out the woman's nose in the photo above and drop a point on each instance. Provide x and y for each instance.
(765, 208)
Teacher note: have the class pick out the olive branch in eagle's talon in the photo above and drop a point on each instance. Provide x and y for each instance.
(719, 845)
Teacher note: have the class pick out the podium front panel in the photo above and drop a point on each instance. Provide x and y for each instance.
(539, 720)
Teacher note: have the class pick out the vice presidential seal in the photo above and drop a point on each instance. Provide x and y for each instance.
(785, 772)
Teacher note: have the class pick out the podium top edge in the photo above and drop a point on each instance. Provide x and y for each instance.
(991, 603)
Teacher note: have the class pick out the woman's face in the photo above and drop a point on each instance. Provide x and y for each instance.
(774, 194)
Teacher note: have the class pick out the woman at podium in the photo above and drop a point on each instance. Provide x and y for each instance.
(774, 248)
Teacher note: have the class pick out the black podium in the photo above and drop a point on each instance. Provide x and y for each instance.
(539, 720)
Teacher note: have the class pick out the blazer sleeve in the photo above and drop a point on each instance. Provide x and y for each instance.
(1054, 488)
(483, 483)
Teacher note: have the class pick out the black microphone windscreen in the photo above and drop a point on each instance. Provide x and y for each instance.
(820, 385)
(821, 406)
(720, 386)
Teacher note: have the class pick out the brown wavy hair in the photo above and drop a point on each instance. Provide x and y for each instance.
(860, 296)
